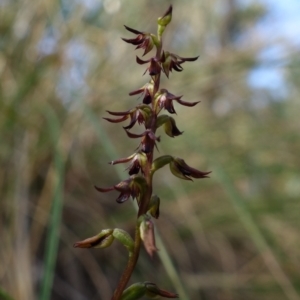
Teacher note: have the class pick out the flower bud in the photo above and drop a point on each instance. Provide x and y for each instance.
(147, 234)
(134, 292)
(180, 169)
(166, 18)
(153, 291)
(102, 240)
(169, 125)
(154, 206)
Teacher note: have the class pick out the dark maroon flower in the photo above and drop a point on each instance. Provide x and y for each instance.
(148, 139)
(138, 161)
(165, 100)
(133, 186)
(142, 41)
(172, 61)
(146, 90)
(180, 169)
(154, 65)
(140, 114)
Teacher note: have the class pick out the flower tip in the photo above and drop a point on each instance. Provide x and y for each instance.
(166, 18)
(169, 11)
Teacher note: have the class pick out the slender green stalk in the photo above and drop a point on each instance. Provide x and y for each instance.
(130, 266)
(56, 210)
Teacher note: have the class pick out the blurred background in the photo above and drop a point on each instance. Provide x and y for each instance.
(62, 65)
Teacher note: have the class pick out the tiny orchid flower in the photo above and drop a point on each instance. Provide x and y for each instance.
(138, 161)
(180, 169)
(146, 90)
(172, 61)
(154, 65)
(142, 41)
(134, 186)
(164, 99)
(140, 114)
(148, 139)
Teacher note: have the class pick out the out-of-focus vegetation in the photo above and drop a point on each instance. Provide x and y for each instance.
(62, 64)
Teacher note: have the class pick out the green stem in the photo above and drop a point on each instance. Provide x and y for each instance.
(130, 265)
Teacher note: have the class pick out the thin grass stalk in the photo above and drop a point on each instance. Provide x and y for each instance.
(53, 235)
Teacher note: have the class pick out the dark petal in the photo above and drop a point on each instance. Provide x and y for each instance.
(140, 61)
(199, 174)
(131, 124)
(168, 12)
(133, 30)
(134, 168)
(147, 98)
(121, 160)
(188, 58)
(135, 41)
(168, 105)
(154, 68)
(121, 113)
(176, 131)
(136, 92)
(105, 189)
(123, 197)
(116, 120)
(134, 136)
(177, 67)
(190, 104)
(189, 171)
(184, 171)
(144, 44)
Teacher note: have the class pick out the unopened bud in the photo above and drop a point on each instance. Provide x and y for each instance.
(152, 291)
(102, 240)
(147, 234)
(166, 18)
(154, 206)
(134, 292)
